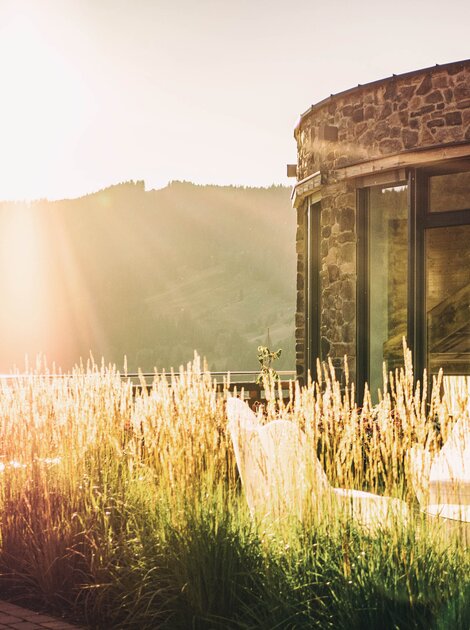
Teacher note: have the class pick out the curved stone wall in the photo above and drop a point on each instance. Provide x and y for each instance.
(418, 109)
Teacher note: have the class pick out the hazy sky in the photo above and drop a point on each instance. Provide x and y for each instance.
(94, 92)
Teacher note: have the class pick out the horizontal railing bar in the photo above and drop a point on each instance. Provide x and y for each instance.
(243, 372)
(239, 381)
(145, 374)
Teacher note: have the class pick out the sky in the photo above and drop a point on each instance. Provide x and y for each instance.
(95, 92)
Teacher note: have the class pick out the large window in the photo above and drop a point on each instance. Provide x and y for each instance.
(449, 191)
(385, 271)
(443, 207)
(447, 263)
(388, 248)
(414, 273)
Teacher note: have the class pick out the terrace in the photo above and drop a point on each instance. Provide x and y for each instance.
(130, 500)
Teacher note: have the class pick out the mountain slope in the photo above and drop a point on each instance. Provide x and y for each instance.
(152, 275)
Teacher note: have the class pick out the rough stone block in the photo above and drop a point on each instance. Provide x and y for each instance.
(425, 137)
(349, 310)
(425, 86)
(333, 273)
(390, 91)
(403, 117)
(348, 252)
(358, 115)
(386, 111)
(453, 118)
(434, 97)
(466, 117)
(406, 92)
(436, 122)
(440, 81)
(348, 289)
(367, 137)
(456, 69)
(347, 220)
(369, 112)
(324, 347)
(390, 145)
(346, 237)
(343, 161)
(448, 95)
(328, 133)
(426, 109)
(348, 333)
(410, 138)
(382, 130)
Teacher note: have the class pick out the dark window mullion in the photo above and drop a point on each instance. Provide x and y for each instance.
(307, 271)
(314, 299)
(412, 235)
(362, 292)
(419, 210)
(446, 219)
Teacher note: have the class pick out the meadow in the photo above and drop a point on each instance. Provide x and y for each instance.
(124, 509)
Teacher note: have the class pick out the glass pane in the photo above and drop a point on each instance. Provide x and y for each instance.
(448, 299)
(388, 268)
(449, 192)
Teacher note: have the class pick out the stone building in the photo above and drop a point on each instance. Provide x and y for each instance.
(383, 213)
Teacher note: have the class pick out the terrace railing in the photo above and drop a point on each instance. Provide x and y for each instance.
(235, 380)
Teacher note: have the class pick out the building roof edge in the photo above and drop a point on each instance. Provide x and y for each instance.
(376, 83)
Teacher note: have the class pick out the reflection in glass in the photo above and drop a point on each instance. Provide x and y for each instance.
(449, 192)
(448, 299)
(388, 266)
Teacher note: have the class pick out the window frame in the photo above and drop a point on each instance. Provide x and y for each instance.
(312, 286)
(420, 218)
(363, 279)
(425, 219)
(362, 292)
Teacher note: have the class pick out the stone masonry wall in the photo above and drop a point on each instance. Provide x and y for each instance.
(416, 110)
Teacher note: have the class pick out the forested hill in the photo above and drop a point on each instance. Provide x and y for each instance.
(152, 275)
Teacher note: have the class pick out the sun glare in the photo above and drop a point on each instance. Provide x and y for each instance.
(23, 315)
(43, 108)
(47, 303)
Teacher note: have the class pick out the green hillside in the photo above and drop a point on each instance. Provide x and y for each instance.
(151, 275)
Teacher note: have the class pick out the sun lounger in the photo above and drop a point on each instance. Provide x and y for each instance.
(279, 470)
(444, 479)
(442, 482)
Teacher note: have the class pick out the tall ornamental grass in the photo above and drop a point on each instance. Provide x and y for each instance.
(124, 509)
